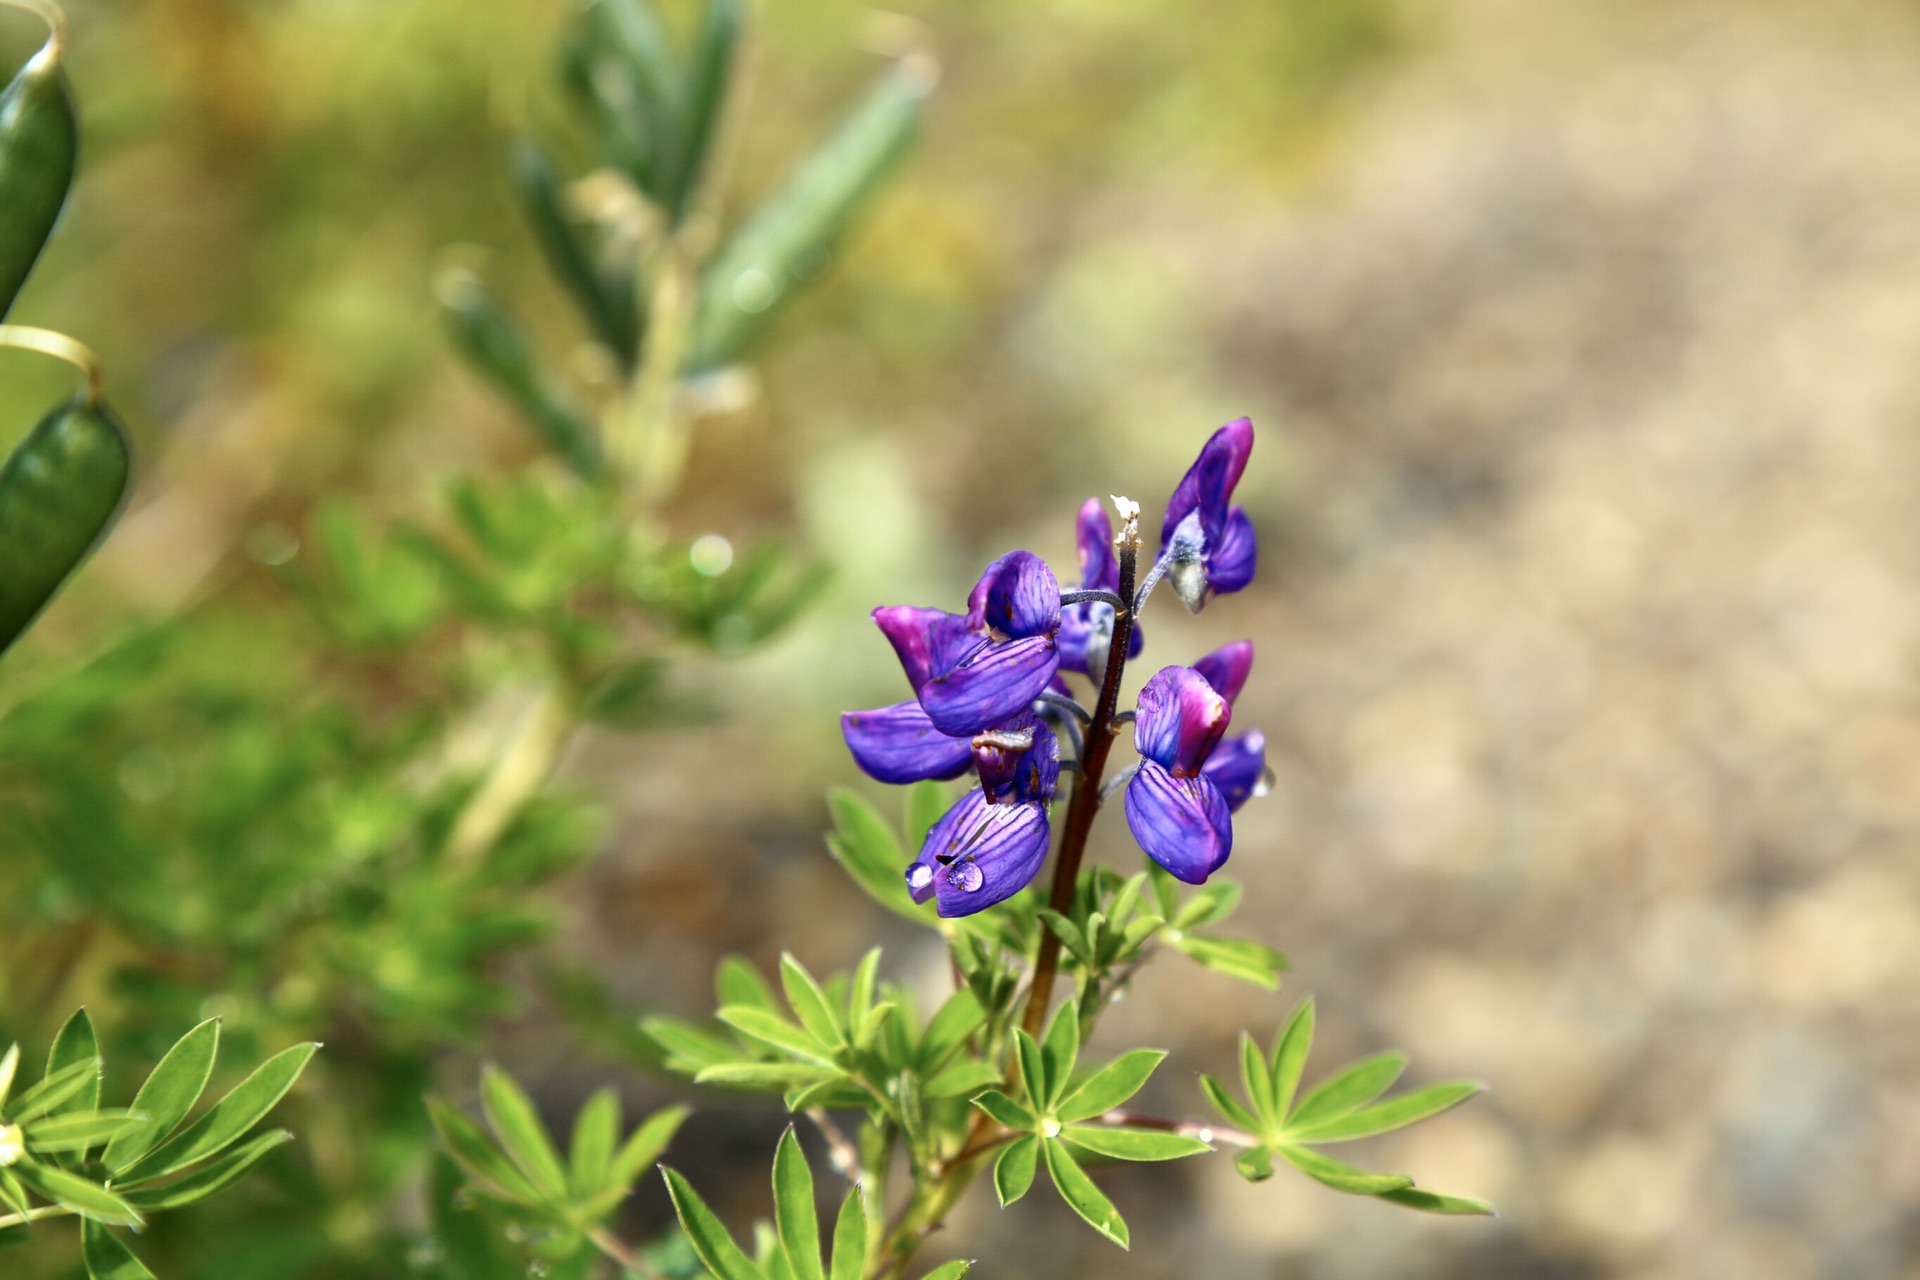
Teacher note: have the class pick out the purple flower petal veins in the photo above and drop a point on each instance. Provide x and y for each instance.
(995, 682)
(898, 744)
(1207, 546)
(979, 854)
(1016, 597)
(1086, 630)
(1184, 824)
(1179, 720)
(929, 641)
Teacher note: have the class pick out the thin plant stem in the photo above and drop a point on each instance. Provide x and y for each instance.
(33, 1215)
(622, 1253)
(22, 337)
(519, 771)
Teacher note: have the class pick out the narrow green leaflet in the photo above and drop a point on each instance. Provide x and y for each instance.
(850, 1240)
(1290, 1056)
(1111, 1085)
(38, 145)
(1013, 1170)
(644, 1144)
(60, 489)
(609, 303)
(596, 1130)
(866, 846)
(1132, 1144)
(1341, 1177)
(950, 1270)
(1394, 1113)
(1006, 1111)
(710, 1239)
(1241, 958)
(80, 1131)
(1033, 1070)
(947, 1031)
(711, 72)
(245, 1105)
(57, 1091)
(810, 1003)
(88, 1199)
(168, 1094)
(1434, 1202)
(12, 1193)
(478, 1158)
(1228, 1105)
(8, 1066)
(737, 981)
(1347, 1089)
(215, 1175)
(793, 1210)
(776, 1032)
(1085, 1199)
(777, 1076)
(1060, 1049)
(106, 1257)
(1259, 1086)
(517, 1125)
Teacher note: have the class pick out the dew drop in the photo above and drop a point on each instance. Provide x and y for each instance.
(967, 877)
(919, 876)
(1049, 1128)
(1264, 786)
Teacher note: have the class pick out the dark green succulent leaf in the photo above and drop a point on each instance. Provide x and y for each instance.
(1347, 1090)
(1111, 1085)
(1014, 1168)
(39, 142)
(1341, 1177)
(80, 1131)
(850, 1239)
(71, 1191)
(106, 1257)
(793, 1210)
(1290, 1056)
(1132, 1144)
(710, 1240)
(1229, 1106)
(244, 1106)
(213, 1176)
(1434, 1202)
(1077, 1189)
(169, 1093)
(1395, 1113)
(1007, 1111)
(470, 1148)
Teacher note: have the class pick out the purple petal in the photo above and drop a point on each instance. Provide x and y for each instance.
(1179, 719)
(1230, 559)
(1017, 596)
(1226, 668)
(979, 854)
(1209, 482)
(995, 682)
(899, 744)
(1236, 767)
(998, 753)
(929, 641)
(1182, 823)
(1039, 772)
(1099, 570)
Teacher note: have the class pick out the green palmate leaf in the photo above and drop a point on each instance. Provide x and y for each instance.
(106, 1257)
(1253, 1078)
(865, 845)
(1033, 1070)
(810, 1003)
(950, 1270)
(926, 802)
(1290, 1056)
(1077, 1189)
(500, 352)
(793, 1210)
(850, 1240)
(1006, 1111)
(1111, 1085)
(1255, 1165)
(609, 302)
(737, 981)
(38, 145)
(215, 1175)
(948, 1030)
(1013, 1170)
(168, 1095)
(9, 1065)
(1060, 1049)
(961, 1079)
(80, 1132)
(711, 70)
(245, 1105)
(12, 1193)
(88, 1199)
(1434, 1202)
(759, 265)
(56, 1092)
(776, 1076)
(596, 1131)
(1228, 1105)
(1395, 1113)
(1238, 958)
(477, 1156)
(644, 1145)
(1132, 1144)
(517, 1125)
(776, 1032)
(709, 1239)
(1341, 1177)
(1347, 1089)
(59, 491)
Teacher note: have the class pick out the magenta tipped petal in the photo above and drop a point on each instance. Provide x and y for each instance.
(1226, 668)
(1182, 823)
(1179, 719)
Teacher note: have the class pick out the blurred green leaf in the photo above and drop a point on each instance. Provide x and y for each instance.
(1238, 958)
(1341, 1177)
(596, 1131)
(106, 1257)
(1347, 1089)
(608, 301)
(38, 144)
(644, 1145)
(57, 1091)
(1434, 1202)
(864, 844)
(1395, 1113)
(1290, 1056)
(517, 1125)
(810, 1003)
(711, 72)
(477, 1156)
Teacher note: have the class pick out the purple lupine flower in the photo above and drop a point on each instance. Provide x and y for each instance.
(1208, 547)
(1177, 813)
(981, 852)
(973, 672)
(1238, 766)
(1086, 629)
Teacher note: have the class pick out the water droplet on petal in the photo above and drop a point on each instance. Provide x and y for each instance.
(919, 876)
(1265, 785)
(967, 877)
